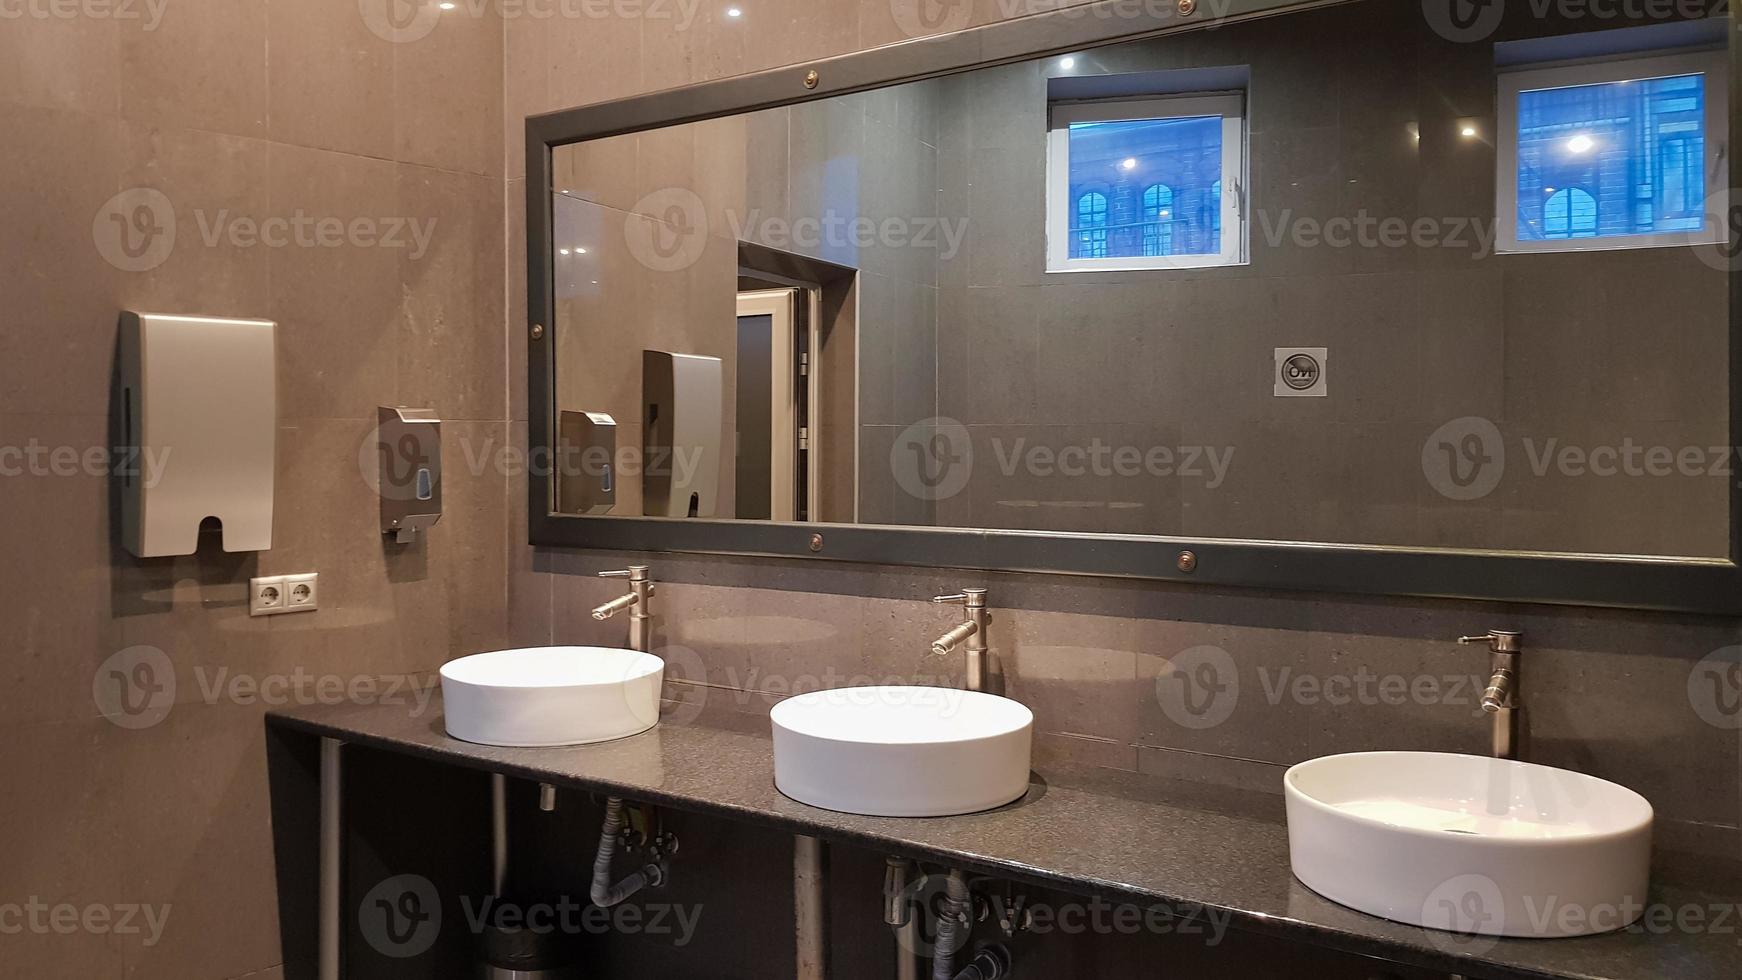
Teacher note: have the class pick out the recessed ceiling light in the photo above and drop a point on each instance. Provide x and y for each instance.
(1130, 163)
(1581, 143)
(1067, 63)
(1468, 131)
(562, 251)
(734, 12)
(580, 251)
(447, 4)
(1548, 190)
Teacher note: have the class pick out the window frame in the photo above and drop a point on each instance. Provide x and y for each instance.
(1515, 81)
(1230, 106)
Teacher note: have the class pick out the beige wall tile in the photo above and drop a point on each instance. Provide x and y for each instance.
(338, 308)
(59, 309)
(451, 353)
(324, 55)
(63, 62)
(448, 93)
(205, 67)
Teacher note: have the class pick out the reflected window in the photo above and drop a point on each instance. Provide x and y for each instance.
(1138, 184)
(1089, 230)
(1570, 213)
(1158, 220)
(1613, 154)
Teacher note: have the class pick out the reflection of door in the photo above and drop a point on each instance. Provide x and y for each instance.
(770, 438)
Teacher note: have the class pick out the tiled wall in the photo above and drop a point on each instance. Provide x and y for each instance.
(235, 110)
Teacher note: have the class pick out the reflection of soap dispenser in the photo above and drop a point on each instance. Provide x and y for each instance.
(408, 442)
(199, 422)
(586, 463)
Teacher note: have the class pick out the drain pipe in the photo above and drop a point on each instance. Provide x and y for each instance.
(498, 833)
(810, 873)
(954, 925)
(989, 963)
(604, 893)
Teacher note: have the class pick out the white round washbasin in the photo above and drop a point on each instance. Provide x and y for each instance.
(545, 696)
(902, 751)
(1470, 844)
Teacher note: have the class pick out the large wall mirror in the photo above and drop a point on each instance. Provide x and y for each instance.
(1347, 296)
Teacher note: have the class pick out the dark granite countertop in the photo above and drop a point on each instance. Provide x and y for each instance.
(1182, 844)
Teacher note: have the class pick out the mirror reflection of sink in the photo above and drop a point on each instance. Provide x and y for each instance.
(902, 751)
(1470, 844)
(546, 696)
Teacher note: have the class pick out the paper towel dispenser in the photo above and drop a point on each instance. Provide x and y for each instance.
(681, 399)
(199, 399)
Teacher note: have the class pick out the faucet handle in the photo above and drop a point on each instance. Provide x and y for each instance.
(1500, 641)
(972, 598)
(634, 573)
(959, 598)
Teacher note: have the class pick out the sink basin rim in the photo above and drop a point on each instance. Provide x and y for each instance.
(1020, 716)
(639, 664)
(1641, 820)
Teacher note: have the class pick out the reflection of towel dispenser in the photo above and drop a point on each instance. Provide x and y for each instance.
(408, 442)
(199, 417)
(681, 424)
(586, 463)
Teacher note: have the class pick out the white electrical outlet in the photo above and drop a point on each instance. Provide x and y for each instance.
(301, 592)
(276, 594)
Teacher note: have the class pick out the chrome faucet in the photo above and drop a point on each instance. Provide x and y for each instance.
(638, 602)
(971, 631)
(1501, 697)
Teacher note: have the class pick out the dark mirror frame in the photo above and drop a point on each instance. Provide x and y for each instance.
(1702, 585)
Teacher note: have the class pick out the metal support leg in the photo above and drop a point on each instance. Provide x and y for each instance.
(810, 875)
(498, 833)
(331, 886)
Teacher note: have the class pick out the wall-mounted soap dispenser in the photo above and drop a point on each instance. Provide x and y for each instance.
(408, 444)
(199, 402)
(681, 403)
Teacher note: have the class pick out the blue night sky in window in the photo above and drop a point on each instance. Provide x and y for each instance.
(1146, 187)
(1618, 158)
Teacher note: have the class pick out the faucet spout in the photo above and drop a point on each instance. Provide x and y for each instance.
(954, 638)
(615, 606)
(1498, 695)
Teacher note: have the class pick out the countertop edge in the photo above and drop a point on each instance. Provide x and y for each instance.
(1426, 957)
